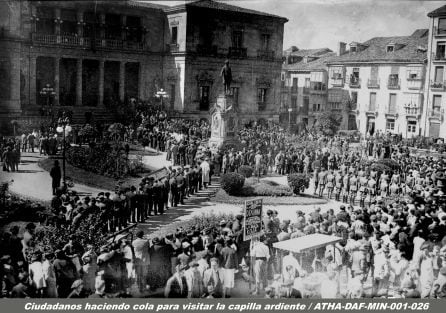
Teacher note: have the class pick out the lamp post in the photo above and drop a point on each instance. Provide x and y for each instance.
(161, 94)
(65, 129)
(289, 117)
(47, 92)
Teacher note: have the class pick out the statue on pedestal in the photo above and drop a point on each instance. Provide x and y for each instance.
(226, 73)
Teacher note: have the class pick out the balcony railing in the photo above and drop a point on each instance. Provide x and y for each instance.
(439, 32)
(238, 53)
(86, 42)
(373, 83)
(414, 83)
(337, 81)
(355, 82)
(207, 50)
(394, 83)
(173, 47)
(412, 110)
(437, 114)
(318, 87)
(267, 55)
(437, 85)
(439, 56)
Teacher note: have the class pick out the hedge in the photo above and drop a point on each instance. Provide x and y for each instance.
(232, 183)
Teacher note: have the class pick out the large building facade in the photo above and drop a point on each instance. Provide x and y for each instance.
(383, 80)
(94, 53)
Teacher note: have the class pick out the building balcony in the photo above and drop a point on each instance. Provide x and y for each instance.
(439, 32)
(437, 85)
(237, 53)
(266, 55)
(394, 83)
(435, 114)
(414, 83)
(337, 81)
(285, 89)
(318, 87)
(439, 56)
(412, 110)
(173, 47)
(86, 42)
(354, 82)
(207, 50)
(373, 83)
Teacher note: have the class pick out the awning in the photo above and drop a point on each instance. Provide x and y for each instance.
(305, 243)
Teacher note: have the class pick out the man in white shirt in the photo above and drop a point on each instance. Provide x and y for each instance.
(261, 255)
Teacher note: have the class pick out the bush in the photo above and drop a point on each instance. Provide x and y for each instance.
(298, 182)
(266, 188)
(246, 171)
(232, 183)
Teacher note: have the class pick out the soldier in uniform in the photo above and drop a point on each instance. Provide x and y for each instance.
(346, 187)
(353, 188)
(330, 183)
(173, 187)
(322, 181)
(338, 185)
(180, 186)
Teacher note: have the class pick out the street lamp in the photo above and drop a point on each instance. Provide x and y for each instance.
(161, 94)
(65, 129)
(48, 92)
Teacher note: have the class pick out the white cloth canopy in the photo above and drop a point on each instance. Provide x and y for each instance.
(305, 243)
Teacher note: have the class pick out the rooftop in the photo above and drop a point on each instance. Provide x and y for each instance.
(441, 11)
(215, 5)
(407, 49)
(316, 60)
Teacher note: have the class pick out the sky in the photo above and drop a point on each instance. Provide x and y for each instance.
(323, 23)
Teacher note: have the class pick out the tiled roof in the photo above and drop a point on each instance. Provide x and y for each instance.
(215, 5)
(407, 50)
(308, 52)
(317, 64)
(438, 12)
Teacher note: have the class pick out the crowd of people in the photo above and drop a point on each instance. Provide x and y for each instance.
(392, 223)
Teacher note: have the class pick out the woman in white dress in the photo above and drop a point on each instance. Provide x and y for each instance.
(36, 274)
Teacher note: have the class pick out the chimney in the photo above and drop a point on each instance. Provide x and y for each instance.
(341, 48)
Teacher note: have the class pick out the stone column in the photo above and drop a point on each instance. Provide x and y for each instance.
(101, 83)
(140, 81)
(57, 24)
(122, 80)
(56, 80)
(32, 81)
(79, 82)
(15, 80)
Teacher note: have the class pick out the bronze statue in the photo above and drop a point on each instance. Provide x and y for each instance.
(227, 77)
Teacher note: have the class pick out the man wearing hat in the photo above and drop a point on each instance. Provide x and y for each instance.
(176, 286)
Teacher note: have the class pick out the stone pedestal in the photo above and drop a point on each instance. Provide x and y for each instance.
(224, 124)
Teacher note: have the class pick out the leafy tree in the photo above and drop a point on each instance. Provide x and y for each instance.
(328, 123)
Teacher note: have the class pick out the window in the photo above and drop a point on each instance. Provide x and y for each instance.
(294, 102)
(318, 106)
(306, 104)
(439, 74)
(234, 93)
(113, 29)
(411, 126)
(436, 103)
(261, 98)
(390, 48)
(390, 124)
(265, 41)
(354, 77)
(318, 86)
(172, 96)
(354, 97)
(69, 25)
(294, 86)
(204, 98)
(372, 103)
(336, 72)
(314, 106)
(440, 50)
(174, 34)
(45, 24)
(237, 39)
(392, 103)
(414, 73)
(307, 83)
(353, 49)
(442, 26)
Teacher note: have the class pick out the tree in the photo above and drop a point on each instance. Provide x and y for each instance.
(328, 123)
(116, 131)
